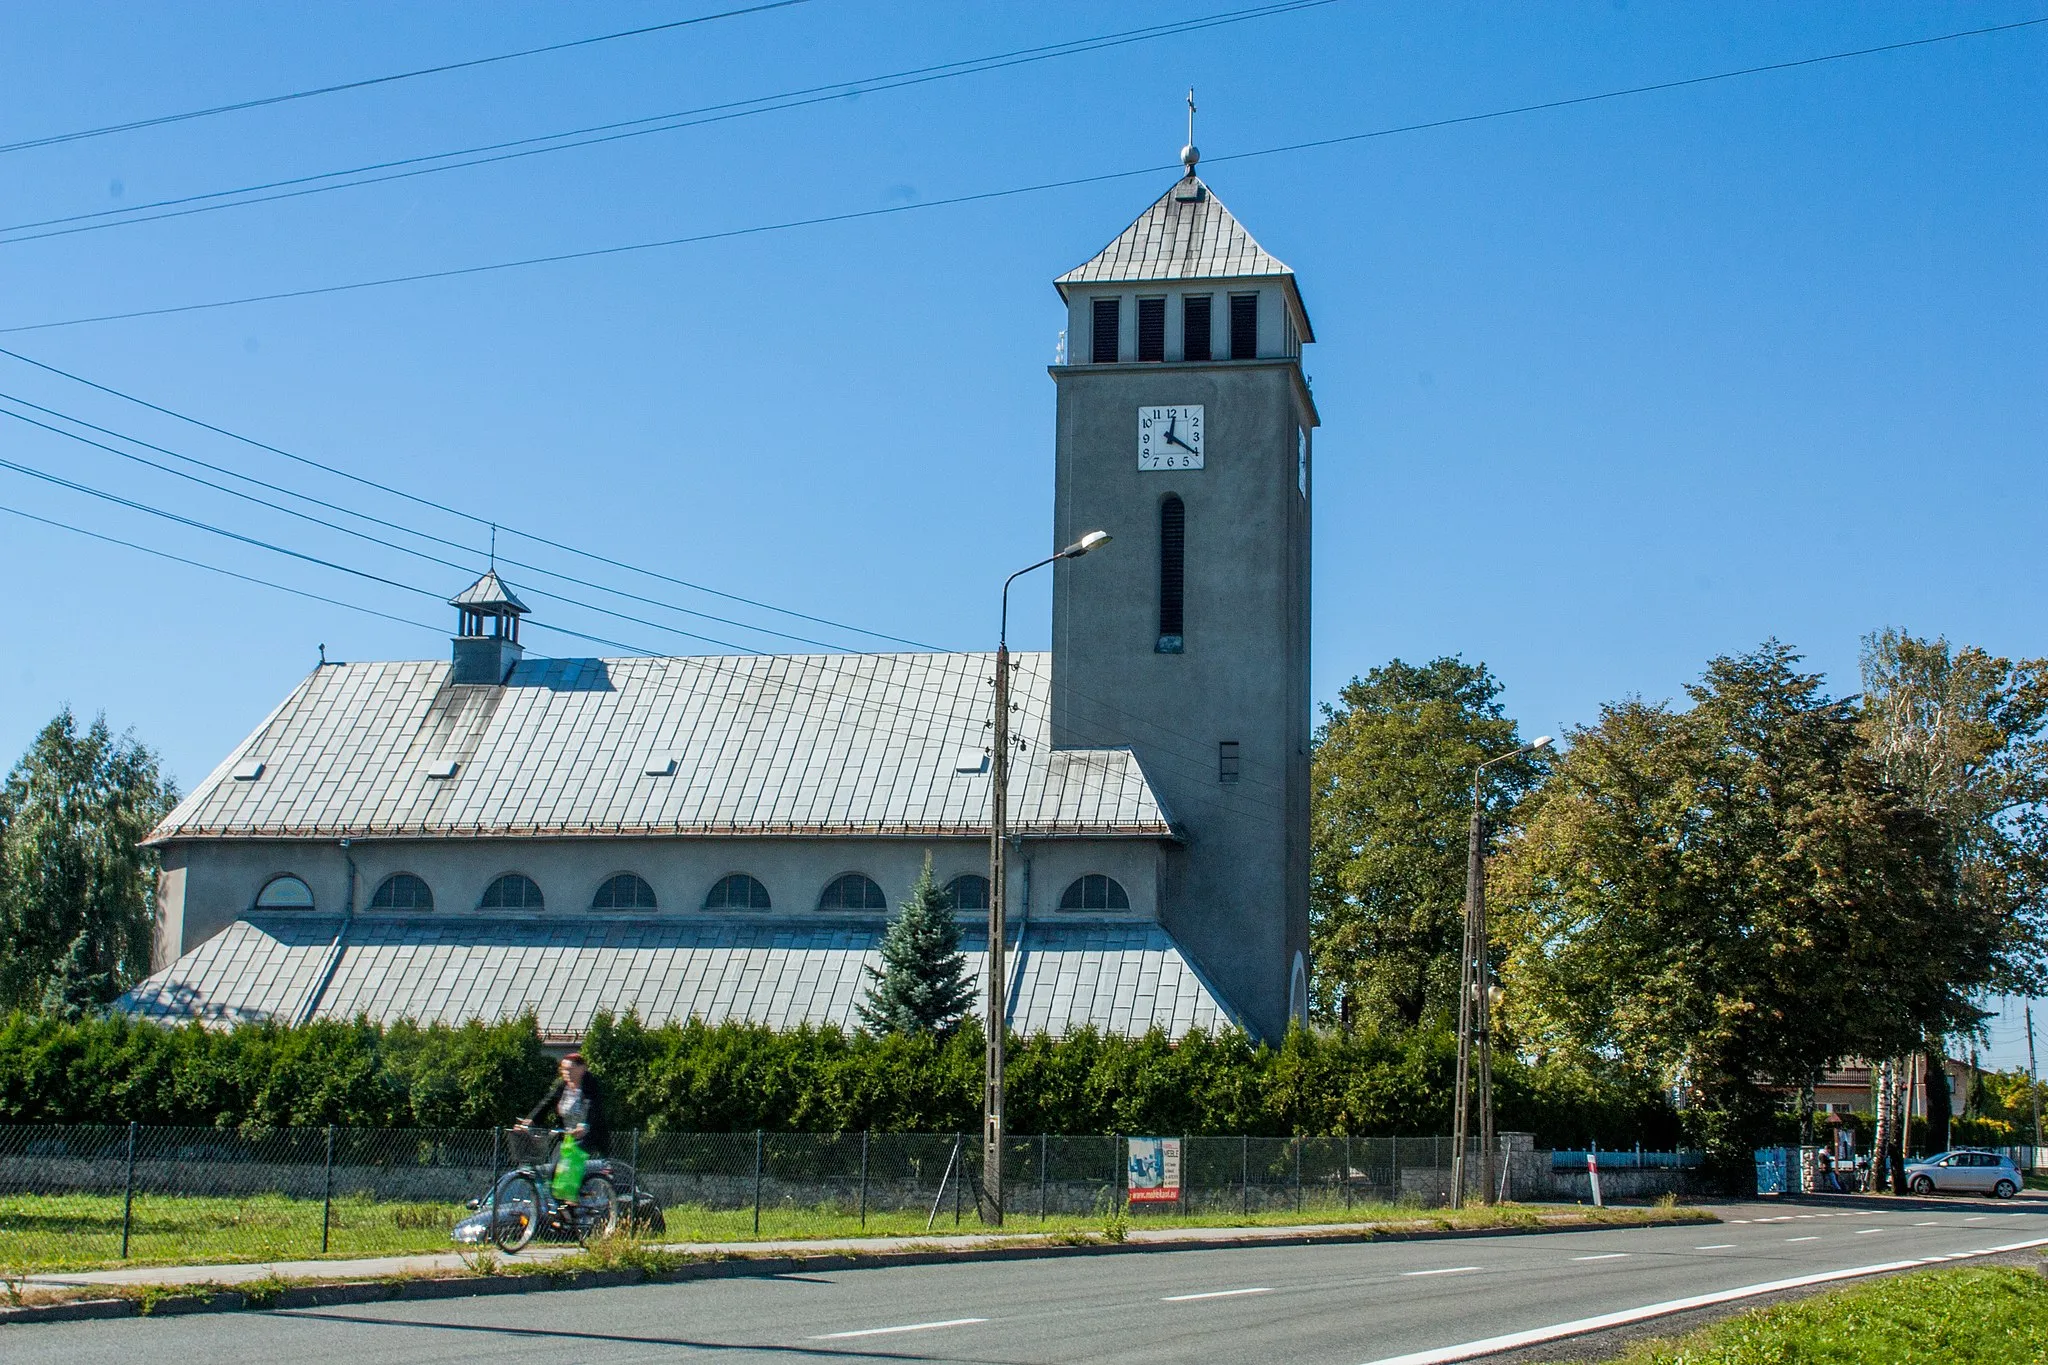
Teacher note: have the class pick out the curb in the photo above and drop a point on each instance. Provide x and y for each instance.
(344, 1292)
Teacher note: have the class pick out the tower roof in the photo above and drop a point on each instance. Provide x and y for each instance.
(1187, 234)
(488, 596)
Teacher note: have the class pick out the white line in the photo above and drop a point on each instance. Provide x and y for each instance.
(907, 1327)
(1447, 1270)
(1442, 1355)
(1978, 1219)
(1213, 1294)
(1802, 1239)
(1865, 1232)
(1718, 1246)
(1935, 1224)
(1603, 1256)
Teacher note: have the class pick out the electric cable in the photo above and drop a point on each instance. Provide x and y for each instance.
(471, 517)
(599, 134)
(156, 121)
(984, 196)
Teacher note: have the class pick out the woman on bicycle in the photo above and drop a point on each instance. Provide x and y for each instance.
(578, 1102)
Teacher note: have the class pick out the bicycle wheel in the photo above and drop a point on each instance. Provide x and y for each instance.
(596, 1210)
(515, 1215)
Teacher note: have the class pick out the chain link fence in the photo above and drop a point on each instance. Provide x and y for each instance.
(73, 1197)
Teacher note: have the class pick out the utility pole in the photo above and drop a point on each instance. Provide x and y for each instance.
(2033, 1084)
(995, 996)
(1474, 1003)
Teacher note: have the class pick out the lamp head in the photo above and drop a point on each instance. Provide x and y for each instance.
(1092, 541)
(1540, 743)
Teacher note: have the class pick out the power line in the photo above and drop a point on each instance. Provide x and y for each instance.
(599, 134)
(471, 517)
(264, 101)
(984, 196)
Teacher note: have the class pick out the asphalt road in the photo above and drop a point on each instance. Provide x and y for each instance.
(1304, 1305)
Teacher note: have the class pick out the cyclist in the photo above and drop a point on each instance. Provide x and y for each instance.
(578, 1102)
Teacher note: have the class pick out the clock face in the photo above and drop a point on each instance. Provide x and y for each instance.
(1170, 438)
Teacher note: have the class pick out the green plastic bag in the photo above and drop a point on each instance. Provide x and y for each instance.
(569, 1168)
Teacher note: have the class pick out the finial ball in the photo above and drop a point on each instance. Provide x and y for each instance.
(1189, 155)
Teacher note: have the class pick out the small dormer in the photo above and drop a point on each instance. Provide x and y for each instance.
(487, 631)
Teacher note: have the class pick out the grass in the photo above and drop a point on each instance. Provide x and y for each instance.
(41, 1233)
(1985, 1315)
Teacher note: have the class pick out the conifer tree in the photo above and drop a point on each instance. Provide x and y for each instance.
(923, 986)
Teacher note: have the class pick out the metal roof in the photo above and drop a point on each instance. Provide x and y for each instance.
(488, 591)
(1117, 977)
(759, 744)
(1187, 234)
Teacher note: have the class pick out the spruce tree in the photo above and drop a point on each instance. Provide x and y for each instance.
(923, 986)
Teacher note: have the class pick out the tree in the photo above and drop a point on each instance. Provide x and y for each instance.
(923, 985)
(1391, 803)
(1731, 897)
(76, 886)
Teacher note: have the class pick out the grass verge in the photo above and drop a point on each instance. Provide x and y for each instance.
(1982, 1315)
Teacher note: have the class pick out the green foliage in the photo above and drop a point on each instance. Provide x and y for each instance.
(923, 985)
(114, 1069)
(73, 814)
(734, 1077)
(1989, 1315)
(1731, 895)
(1391, 804)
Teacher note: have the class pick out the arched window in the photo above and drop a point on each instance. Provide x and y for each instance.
(1173, 554)
(736, 892)
(513, 891)
(1095, 892)
(852, 892)
(969, 892)
(285, 893)
(623, 892)
(403, 891)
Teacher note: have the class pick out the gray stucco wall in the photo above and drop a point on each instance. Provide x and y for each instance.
(206, 885)
(1236, 896)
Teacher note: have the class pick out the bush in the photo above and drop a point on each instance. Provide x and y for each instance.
(697, 1077)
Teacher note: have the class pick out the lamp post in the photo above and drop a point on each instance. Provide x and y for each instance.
(1477, 996)
(995, 1000)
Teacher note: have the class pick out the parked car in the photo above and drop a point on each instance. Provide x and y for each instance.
(1964, 1172)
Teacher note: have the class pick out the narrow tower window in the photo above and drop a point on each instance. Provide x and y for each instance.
(1151, 329)
(1173, 536)
(1244, 326)
(1226, 760)
(1194, 327)
(1108, 314)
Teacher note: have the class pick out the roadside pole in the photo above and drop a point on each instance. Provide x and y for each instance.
(2033, 1083)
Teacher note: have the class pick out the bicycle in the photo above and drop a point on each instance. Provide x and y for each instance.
(523, 1202)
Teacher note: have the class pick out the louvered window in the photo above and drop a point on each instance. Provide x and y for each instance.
(1226, 760)
(1173, 535)
(1244, 326)
(1194, 327)
(1151, 329)
(1108, 315)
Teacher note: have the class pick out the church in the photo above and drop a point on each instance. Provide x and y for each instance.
(724, 837)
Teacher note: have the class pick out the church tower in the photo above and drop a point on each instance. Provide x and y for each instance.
(1184, 431)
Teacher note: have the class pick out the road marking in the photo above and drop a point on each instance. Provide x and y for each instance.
(1978, 1219)
(907, 1327)
(1718, 1246)
(1443, 1355)
(1934, 1224)
(1447, 1270)
(1603, 1256)
(1213, 1294)
(1865, 1232)
(1802, 1239)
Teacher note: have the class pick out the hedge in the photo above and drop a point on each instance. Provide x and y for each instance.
(735, 1077)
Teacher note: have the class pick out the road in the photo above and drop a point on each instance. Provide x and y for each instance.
(1305, 1305)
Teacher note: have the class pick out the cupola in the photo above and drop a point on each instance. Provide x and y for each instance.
(487, 631)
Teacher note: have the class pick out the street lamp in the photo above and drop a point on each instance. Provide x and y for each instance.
(995, 997)
(1477, 997)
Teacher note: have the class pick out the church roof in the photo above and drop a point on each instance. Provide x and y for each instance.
(1114, 976)
(488, 591)
(1186, 235)
(715, 745)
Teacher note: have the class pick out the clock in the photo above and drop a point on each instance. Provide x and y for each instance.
(1170, 437)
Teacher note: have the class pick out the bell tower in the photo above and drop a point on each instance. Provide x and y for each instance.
(1184, 430)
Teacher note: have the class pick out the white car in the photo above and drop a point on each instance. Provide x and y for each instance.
(1964, 1173)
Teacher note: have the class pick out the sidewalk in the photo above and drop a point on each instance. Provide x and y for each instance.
(458, 1263)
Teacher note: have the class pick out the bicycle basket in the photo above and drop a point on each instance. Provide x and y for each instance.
(529, 1146)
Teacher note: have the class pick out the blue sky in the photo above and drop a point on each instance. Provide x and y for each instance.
(1607, 390)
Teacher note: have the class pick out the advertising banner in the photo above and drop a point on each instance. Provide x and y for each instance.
(1154, 1170)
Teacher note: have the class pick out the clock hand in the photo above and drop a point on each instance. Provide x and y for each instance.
(1172, 439)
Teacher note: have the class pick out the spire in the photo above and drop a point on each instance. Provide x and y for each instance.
(1190, 154)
